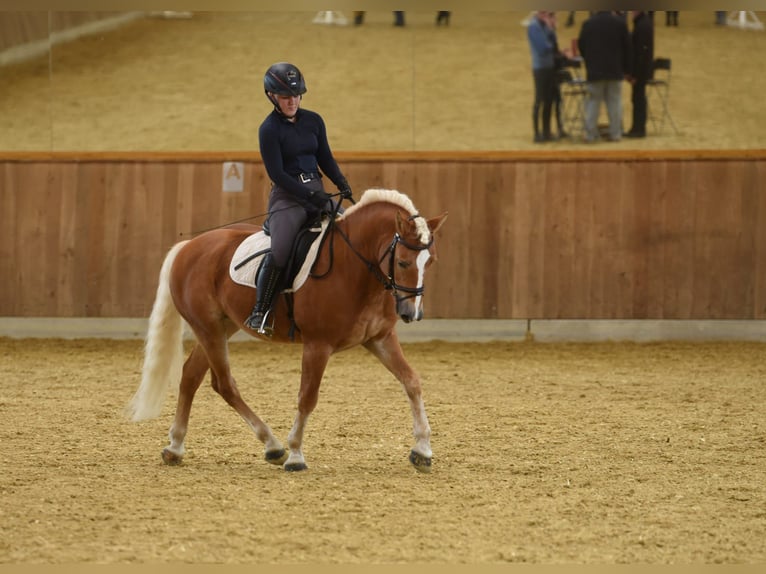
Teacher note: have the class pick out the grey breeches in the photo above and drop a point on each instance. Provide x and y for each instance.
(286, 216)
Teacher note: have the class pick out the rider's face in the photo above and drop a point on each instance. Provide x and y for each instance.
(288, 105)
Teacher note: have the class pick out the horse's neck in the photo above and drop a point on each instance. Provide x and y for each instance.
(370, 229)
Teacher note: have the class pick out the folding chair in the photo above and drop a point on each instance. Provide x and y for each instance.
(574, 92)
(657, 96)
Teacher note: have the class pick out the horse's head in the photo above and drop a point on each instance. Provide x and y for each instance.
(405, 260)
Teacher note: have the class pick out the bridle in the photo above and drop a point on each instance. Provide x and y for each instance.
(388, 281)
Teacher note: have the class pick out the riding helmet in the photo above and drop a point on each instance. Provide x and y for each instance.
(283, 79)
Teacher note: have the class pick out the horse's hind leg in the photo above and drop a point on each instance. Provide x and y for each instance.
(389, 352)
(194, 371)
(225, 385)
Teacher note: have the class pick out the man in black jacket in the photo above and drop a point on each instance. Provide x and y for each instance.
(604, 43)
(643, 58)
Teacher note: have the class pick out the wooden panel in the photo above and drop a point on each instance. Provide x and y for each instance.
(527, 237)
(755, 176)
(18, 28)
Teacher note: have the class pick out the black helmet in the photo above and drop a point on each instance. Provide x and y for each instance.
(283, 79)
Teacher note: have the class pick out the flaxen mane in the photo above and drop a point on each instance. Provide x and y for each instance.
(397, 198)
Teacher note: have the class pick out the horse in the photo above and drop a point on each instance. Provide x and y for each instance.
(368, 274)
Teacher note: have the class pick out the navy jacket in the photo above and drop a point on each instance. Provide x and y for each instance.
(604, 44)
(643, 47)
(289, 149)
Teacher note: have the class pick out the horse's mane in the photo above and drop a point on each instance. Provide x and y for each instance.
(397, 198)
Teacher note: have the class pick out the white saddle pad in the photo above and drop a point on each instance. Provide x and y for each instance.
(260, 242)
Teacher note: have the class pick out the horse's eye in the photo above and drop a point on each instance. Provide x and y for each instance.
(403, 264)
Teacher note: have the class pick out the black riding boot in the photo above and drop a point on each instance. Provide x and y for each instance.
(266, 285)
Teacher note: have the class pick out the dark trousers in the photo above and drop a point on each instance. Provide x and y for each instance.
(286, 217)
(545, 84)
(671, 18)
(638, 99)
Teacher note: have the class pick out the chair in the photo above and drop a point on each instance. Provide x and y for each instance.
(657, 96)
(574, 93)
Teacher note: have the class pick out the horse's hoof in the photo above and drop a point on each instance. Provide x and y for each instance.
(420, 462)
(295, 466)
(171, 458)
(276, 456)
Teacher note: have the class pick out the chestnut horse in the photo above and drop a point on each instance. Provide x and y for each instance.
(369, 273)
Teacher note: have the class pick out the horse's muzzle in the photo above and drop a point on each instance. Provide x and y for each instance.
(410, 315)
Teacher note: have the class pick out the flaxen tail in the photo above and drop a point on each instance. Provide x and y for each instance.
(163, 350)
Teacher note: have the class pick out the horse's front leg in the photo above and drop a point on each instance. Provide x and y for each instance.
(389, 352)
(313, 365)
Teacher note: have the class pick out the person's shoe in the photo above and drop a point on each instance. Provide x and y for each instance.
(255, 322)
(563, 134)
(539, 138)
(632, 134)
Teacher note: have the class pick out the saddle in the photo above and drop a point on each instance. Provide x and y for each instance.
(248, 258)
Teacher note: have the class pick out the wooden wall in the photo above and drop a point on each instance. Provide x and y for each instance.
(19, 28)
(662, 236)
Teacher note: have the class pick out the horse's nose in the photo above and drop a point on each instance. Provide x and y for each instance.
(411, 314)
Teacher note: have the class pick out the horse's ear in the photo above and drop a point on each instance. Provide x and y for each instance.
(399, 224)
(435, 223)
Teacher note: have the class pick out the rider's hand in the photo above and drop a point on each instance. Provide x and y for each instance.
(345, 192)
(320, 199)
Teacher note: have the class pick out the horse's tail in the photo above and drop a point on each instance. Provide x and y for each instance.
(163, 349)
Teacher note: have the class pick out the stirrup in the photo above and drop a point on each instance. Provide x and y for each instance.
(257, 322)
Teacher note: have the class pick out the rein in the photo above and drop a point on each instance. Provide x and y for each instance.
(388, 281)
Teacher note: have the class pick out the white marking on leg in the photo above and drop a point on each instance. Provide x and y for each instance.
(420, 428)
(295, 440)
(176, 445)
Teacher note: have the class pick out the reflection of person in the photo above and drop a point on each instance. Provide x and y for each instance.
(542, 46)
(643, 58)
(294, 147)
(604, 43)
(398, 18)
(560, 62)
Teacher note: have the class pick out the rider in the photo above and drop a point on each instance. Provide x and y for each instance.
(294, 147)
